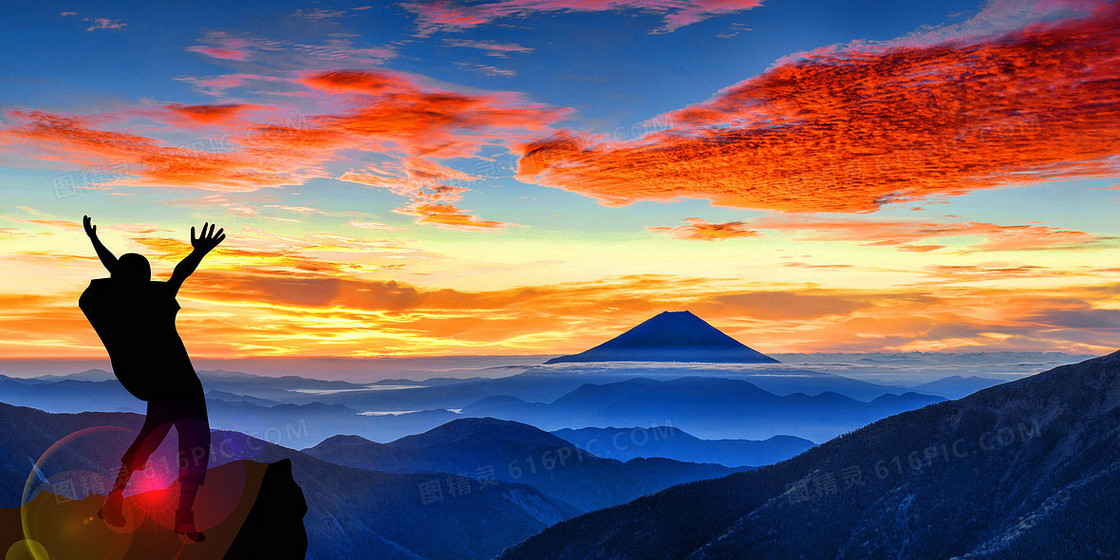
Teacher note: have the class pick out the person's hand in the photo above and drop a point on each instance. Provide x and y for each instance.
(208, 240)
(91, 230)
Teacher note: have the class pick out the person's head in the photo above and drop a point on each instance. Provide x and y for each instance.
(132, 267)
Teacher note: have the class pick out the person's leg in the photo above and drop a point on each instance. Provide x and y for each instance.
(155, 429)
(151, 434)
(194, 458)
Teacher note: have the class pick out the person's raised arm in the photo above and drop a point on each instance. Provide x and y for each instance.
(205, 242)
(107, 257)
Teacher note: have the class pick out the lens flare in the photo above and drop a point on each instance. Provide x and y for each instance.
(64, 493)
(26, 549)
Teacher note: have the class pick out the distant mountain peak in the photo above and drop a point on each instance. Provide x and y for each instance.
(476, 430)
(671, 336)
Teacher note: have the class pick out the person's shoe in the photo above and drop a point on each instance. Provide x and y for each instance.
(188, 533)
(113, 510)
(186, 529)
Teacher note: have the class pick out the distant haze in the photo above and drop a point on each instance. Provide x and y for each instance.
(913, 367)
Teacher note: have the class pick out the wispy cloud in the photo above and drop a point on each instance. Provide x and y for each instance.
(485, 69)
(227, 53)
(911, 235)
(491, 48)
(318, 14)
(702, 230)
(449, 15)
(375, 226)
(431, 199)
(104, 23)
(288, 54)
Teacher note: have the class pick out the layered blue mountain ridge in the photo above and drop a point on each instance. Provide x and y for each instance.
(671, 336)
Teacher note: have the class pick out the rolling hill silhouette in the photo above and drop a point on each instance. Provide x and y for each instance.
(514, 452)
(1026, 469)
(671, 336)
(707, 407)
(674, 443)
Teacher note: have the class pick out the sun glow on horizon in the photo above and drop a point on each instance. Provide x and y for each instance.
(443, 180)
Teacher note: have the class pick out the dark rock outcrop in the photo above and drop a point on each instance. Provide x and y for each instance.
(274, 527)
(246, 510)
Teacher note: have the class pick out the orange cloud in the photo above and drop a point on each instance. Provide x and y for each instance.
(851, 130)
(151, 163)
(51, 222)
(782, 306)
(390, 114)
(973, 273)
(904, 234)
(574, 316)
(432, 201)
(448, 216)
(249, 301)
(252, 251)
(703, 230)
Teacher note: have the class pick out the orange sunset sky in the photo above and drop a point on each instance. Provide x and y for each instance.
(534, 177)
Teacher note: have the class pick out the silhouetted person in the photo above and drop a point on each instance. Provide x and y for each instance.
(135, 318)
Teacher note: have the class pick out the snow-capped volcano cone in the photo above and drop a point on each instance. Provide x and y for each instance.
(671, 336)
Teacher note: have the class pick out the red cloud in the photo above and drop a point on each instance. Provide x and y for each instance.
(225, 115)
(224, 54)
(393, 111)
(850, 131)
(446, 15)
(703, 230)
(393, 108)
(369, 83)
